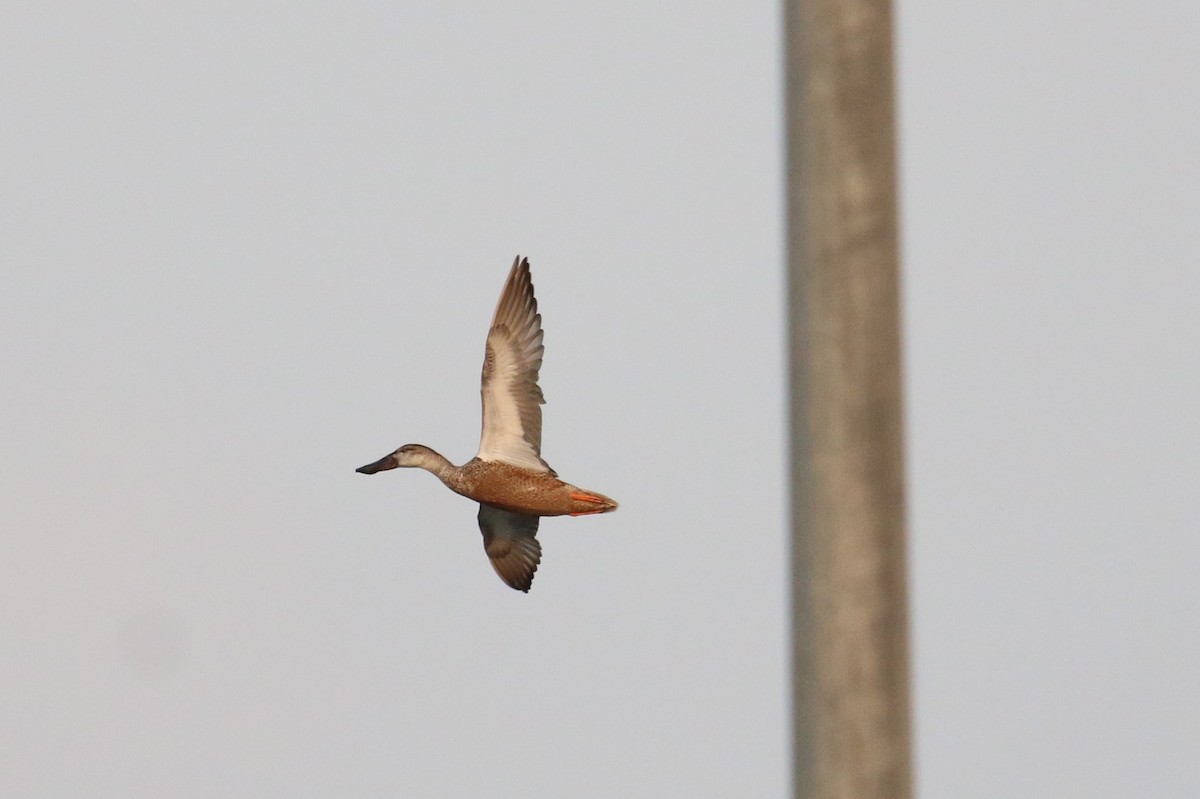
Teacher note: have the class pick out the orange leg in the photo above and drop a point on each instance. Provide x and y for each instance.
(591, 498)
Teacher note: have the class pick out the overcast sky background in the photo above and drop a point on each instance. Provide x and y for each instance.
(246, 249)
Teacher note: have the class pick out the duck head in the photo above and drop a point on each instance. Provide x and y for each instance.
(409, 455)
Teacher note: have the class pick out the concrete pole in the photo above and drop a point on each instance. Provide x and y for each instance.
(850, 641)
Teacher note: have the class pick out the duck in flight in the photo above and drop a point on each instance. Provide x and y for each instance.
(509, 479)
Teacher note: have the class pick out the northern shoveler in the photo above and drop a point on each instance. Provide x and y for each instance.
(509, 479)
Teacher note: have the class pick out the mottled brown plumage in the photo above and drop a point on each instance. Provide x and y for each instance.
(508, 477)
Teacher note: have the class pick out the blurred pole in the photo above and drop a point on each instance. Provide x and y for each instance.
(849, 608)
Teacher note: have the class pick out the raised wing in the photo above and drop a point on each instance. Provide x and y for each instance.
(509, 539)
(512, 399)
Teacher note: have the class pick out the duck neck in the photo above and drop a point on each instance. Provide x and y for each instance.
(438, 465)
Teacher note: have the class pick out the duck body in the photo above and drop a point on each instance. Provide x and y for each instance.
(509, 479)
(518, 490)
(501, 485)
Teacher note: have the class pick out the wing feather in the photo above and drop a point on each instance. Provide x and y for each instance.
(512, 399)
(510, 542)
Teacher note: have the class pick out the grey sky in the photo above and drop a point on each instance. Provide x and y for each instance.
(1051, 228)
(246, 250)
